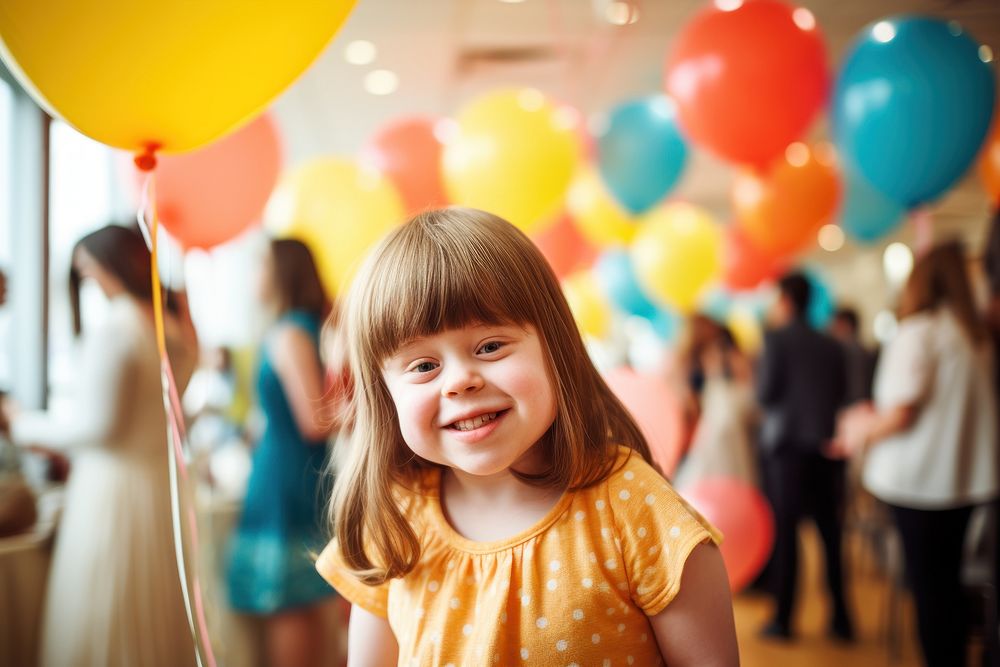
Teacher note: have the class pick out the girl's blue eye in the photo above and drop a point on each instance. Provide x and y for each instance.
(424, 367)
(492, 346)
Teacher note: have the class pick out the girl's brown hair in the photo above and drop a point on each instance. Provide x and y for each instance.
(939, 278)
(446, 269)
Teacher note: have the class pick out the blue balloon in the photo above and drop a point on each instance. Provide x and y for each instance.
(911, 107)
(667, 325)
(616, 276)
(642, 153)
(822, 302)
(866, 214)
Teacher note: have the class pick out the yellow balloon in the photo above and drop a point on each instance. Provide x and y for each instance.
(586, 301)
(597, 215)
(514, 154)
(676, 253)
(338, 209)
(162, 74)
(746, 330)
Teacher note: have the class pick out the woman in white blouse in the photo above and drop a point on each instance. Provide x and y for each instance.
(114, 594)
(931, 440)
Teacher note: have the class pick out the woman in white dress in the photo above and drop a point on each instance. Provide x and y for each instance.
(114, 595)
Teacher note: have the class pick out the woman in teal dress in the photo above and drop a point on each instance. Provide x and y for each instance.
(271, 571)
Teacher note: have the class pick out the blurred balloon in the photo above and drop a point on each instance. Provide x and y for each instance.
(597, 215)
(744, 266)
(655, 408)
(676, 253)
(744, 517)
(781, 211)
(641, 153)
(168, 76)
(746, 329)
(211, 195)
(564, 247)
(408, 151)
(667, 324)
(617, 278)
(338, 209)
(514, 155)
(749, 80)
(865, 213)
(587, 303)
(989, 163)
(822, 302)
(912, 105)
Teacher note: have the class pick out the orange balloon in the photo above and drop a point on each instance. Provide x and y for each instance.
(744, 265)
(408, 151)
(211, 195)
(565, 247)
(989, 162)
(781, 210)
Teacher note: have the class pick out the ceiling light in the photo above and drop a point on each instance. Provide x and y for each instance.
(804, 18)
(831, 238)
(797, 154)
(621, 13)
(728, 5)
(360, 52)
(381, 82)
(897, 262)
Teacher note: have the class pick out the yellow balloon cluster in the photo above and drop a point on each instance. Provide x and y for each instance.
(336, 208)
(162, 74)
(514, 154)
(597, 215)
(586, 301)
(676, 253)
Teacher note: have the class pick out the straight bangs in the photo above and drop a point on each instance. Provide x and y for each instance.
(428, 279)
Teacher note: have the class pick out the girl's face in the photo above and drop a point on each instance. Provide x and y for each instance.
(475, 399)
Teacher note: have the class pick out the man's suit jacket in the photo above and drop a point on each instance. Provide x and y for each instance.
(801, 383)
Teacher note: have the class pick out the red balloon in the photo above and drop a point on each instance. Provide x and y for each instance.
(781, 211)
(565, 247)
(989, 161)
(656, 409)
(748, 81)
(409, 153)
(211, 195)
(744, 517)
(744, 265)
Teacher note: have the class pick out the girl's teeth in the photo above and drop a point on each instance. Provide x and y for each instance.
(475, 422)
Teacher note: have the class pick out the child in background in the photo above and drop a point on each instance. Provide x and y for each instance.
(499, 505)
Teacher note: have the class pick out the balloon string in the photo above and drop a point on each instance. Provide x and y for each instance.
(175, 439)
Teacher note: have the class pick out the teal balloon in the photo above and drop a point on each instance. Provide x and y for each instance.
(641, 155)
(617, 278)
(867, 215)
(822, 302)
(912, 105)
(667, 324)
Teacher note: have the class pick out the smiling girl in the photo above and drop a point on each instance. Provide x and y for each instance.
(499, 505)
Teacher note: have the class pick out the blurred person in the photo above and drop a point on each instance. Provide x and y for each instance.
(931, 440)
(271, 572)
(114, 596)
(801, 384)
(722, 394)
(860, 360)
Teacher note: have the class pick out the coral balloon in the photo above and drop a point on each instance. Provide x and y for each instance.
(564, 247)
(641, 153)
(655, 408)
(338, 209)
(409, 152)
(744, 517)
(744, 265)
(211, 195)
(782, 210)
(170, 76)
(587, 303)
(600, 218)
(514, 154)
(676, 253)
(989, 163)
(748, 81)
(912, 106)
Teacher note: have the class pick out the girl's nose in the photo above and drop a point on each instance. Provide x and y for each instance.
(461, 380)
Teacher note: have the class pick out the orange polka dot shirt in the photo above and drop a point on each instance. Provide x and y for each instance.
(575, 589)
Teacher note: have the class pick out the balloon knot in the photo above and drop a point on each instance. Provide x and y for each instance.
(146, 161)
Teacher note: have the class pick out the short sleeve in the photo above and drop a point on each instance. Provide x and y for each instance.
(657, 529)
(331, 567)
(906, 370)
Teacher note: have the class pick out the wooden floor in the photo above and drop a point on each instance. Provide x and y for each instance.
(869, 597)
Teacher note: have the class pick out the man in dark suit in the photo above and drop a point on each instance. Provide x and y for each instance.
(801, 384)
